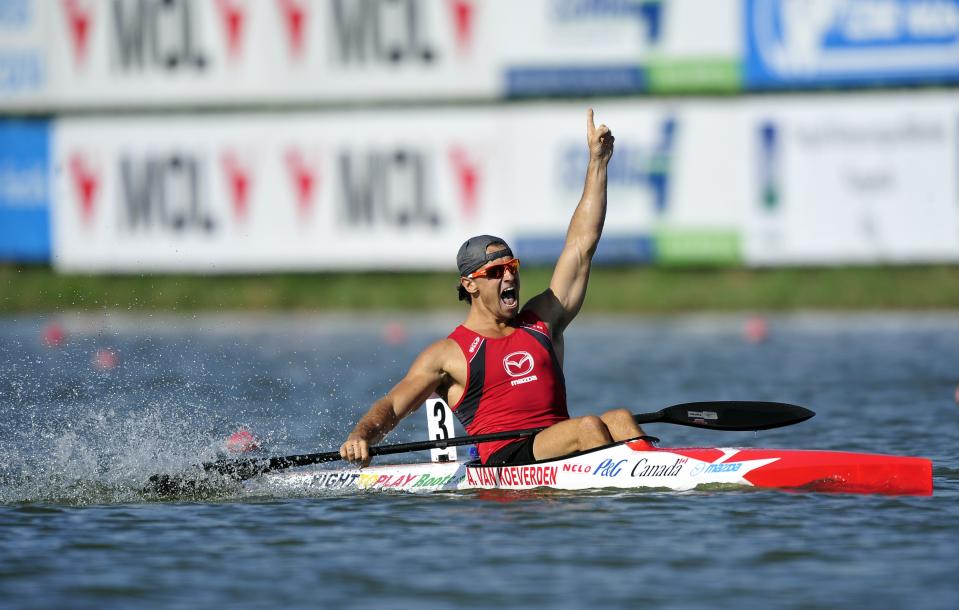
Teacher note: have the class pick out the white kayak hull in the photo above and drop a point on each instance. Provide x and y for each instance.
(637, 464)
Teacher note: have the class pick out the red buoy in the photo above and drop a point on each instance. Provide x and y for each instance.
(53, 335)
(105, 359)
(395, 333)
(756, 330)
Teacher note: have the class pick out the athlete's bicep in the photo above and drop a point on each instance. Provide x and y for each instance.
(559, 304)
(569, 280)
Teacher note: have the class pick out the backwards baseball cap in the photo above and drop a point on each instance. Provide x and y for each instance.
(472, 254)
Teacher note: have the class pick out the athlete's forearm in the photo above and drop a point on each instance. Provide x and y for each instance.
(586, 226)
(377, 423)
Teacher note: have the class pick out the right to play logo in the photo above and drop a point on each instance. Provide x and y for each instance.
(817, 42)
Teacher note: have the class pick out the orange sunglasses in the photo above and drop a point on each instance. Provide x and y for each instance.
(495, 272)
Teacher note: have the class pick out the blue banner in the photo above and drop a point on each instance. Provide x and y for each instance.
(823, 43)
(24, 191)
(612, 249)
(535, 81)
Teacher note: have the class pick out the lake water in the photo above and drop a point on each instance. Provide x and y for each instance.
(84, 423)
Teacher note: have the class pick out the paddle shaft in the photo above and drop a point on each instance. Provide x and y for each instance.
(291, 461)
(714, 415)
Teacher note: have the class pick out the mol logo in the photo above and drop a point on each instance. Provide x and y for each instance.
(644, 167)
(169, 193)
(144, 34)
(370, 32)
(161, 35)
(164, 192)
(648, 12)
(396, 186)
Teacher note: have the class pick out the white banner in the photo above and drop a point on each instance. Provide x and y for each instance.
(345, 191)
(785, 180)
(162, 53)
(862, 179)
(67, 54)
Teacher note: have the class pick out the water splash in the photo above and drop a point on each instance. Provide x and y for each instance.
(104, 456)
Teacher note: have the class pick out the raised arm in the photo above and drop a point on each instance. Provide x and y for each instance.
(424, 376)
(567, 288)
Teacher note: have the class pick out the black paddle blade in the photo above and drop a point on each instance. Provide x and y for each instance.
(182, 486)
(212, 476)
(170, 485)
(733, 415)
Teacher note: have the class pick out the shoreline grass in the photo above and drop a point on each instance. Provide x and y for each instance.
(29, 289)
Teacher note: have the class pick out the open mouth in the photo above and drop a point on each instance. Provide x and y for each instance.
(508, 297)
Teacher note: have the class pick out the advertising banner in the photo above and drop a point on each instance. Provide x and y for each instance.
(672, 197)
(390, 189)
(181, 53)
(859, 179)
(842, 179)
(581, 47)
(146, 54)
(344, 191)
(818, 43)
(24, 191)
(70, 54)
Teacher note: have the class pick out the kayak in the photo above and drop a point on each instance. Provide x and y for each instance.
(638, 464)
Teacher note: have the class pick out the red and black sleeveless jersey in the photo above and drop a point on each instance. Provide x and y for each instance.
(512, 383)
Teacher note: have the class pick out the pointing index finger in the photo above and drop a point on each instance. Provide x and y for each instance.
(590, 126)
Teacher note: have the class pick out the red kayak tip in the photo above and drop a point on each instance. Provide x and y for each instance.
(242, 441)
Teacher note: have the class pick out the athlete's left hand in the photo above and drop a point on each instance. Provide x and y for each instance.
(600, 139)
(356, 450)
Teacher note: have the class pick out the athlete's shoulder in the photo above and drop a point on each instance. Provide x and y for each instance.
(442, 346)
(467, 342)
(438, 354)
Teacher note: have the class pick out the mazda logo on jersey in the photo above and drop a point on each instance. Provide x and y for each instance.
(518, 364)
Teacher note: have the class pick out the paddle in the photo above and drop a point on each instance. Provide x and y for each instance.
(714, 415)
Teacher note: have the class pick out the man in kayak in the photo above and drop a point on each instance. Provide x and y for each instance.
(501, 369)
